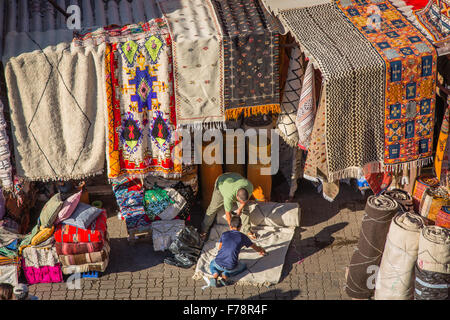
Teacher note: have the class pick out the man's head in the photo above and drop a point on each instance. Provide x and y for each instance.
(235, 223)
(242, 195)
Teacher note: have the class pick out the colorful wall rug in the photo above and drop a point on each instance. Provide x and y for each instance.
(251, 54)
(410, 80)
(198, 62)
(140, 102)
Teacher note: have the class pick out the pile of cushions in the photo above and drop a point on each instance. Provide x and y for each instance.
(9, 257)
(70, 237)
(82, 240)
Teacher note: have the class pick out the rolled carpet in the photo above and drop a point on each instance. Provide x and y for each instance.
(431, 285)
(403, 198)
(379, 212)
(432, 201)
(434, 250)
(395, 280)
(433, 264)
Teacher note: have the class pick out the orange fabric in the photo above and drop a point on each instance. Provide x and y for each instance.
(262, 184)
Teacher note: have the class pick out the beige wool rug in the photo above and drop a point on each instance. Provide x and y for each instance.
(56, 99)
(274, 224)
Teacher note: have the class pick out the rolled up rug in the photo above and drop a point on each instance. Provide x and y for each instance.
(395, 280)
(91, 257)
(432, 201)
(433, 264)
(403, 198)
(443, 217)
(361, 277)
(422, 183)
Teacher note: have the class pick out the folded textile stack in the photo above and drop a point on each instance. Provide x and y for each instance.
(433, 265)
(129, 194)
(40, 263)
(9, 258)
(432, 201)
(82, 241)
(422, 184)
(443, 217)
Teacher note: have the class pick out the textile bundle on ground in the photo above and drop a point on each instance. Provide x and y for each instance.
(9, 257)
(41, 264)
(432, 201)
(395, 279)
(433, 264)
(140, 101)
(402, 197)
(275, 229)
(198, 62)
(83, 250)
(54, 93)
(377, 218)
(422, 184)
(398, 64)
(251, 58)
(443, 217)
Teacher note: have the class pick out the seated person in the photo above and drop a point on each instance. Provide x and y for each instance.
(226, 262)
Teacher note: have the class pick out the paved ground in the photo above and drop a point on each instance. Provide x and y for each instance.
(314, 268)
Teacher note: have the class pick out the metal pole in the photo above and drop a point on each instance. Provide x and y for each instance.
(57, 7)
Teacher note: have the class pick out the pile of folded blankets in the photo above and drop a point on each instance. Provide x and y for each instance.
(160, 210)
(9, 257)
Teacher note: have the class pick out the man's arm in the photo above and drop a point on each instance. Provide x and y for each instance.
(220, 245)
(228, 217)
(239, 210)
(258, 249)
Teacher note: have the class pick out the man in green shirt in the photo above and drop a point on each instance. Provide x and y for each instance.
(229, 188)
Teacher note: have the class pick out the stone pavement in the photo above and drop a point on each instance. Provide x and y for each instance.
(314, 268)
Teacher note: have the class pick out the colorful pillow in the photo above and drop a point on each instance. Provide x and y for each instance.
(42, 235)
(68, 207)
(83, 216)
(50, 211)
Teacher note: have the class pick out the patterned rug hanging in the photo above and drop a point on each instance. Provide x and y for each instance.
(140, 101)
(251, 54)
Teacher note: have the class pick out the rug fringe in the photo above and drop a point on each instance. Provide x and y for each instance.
(290, 142)
(352, 172)
(196, 126)
(62, 178)
(411, 164)
(235, 113)
(199, 276)
(142, 176)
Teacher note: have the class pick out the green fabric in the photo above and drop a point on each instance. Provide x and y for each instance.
(50, 211)
(156, 200)
(27, 240)
(5, 252)
(229, 184)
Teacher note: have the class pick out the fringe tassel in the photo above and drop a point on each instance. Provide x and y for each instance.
(353, 172)
(234, 114)
(196, 126)
(199, 276)
(142, 176)
(290, 142)
(62, 178)
(406, 166)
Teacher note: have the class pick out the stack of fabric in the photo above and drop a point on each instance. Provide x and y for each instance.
(82, 240)
(129, 195)
(433, 265)
(9, 257)
(432, 201)
(40, 263)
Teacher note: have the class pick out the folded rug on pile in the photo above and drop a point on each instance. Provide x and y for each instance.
(251, 58)
(433, 265)
(364, 263)
(433, 19)
(198, 62)
(91, 257)
(395, 279)
(274, 223)
(56, 99)
(10, 274)
(97, 231)
(68, 248)
(141, 117)
(87, 267)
